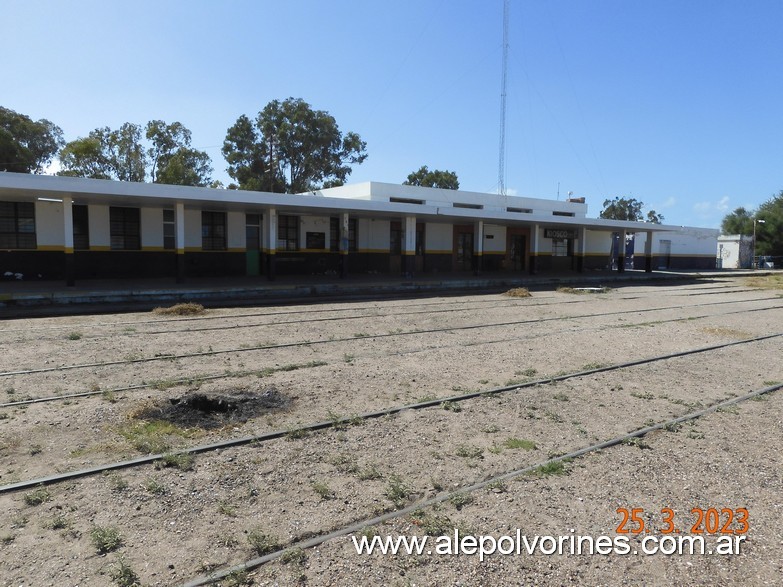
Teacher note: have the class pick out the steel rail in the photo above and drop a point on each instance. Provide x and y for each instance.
(322, 425)
(445, 496)
(170, 357)
(251, 372)
(348, 309)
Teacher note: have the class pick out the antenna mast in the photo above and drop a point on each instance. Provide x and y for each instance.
(502, 154)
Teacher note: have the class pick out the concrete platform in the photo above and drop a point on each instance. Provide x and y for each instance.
(20, 298)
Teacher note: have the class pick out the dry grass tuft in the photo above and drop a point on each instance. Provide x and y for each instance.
(766, 281)
(185, 309)
(727, 332)
(518, 292)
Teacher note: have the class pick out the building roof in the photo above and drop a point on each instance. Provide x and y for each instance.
(367, 200)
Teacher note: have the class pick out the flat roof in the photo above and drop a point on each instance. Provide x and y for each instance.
(30, 187)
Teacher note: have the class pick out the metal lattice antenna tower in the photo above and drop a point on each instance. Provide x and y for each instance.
(502, 153)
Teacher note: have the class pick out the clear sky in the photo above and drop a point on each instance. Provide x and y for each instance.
(677, 103)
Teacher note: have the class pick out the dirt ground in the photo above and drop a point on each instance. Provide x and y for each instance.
(118, 387)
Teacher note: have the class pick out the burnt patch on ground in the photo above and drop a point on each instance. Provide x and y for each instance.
(215, 409)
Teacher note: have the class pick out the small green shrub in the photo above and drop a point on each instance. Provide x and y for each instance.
(181, 461)
(397, 490)
(154, 487)
(369, 473)
(123, 575)
(552, 468)
(105, 539)
(451, 406)
(37, 496)
(323, 490)
(469, 452)
(262, 543)
(514, 443)
(460, 500)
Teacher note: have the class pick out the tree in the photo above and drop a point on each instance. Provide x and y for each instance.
(740, 221)
(27, 146)
(106, 154)
(769, 236)
(291, 148)
(628, 209)
(172, 158)
(446, 180)
(121, 155)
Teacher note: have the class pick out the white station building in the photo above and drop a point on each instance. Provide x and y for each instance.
(66, 228)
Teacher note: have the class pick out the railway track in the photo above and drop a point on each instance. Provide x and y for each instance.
(337, 340)
(312, 364)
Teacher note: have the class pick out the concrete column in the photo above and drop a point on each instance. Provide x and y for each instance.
(270, 242)
(581, 251)
(344, 244)
(535, 246)
(478, 247)
(621, 251)
(648, 258)
(70, 264)
(179, 239)
(409, 246)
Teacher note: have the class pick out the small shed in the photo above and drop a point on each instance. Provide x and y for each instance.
(735, 251)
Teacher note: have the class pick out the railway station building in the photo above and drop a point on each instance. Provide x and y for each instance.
(64, 228)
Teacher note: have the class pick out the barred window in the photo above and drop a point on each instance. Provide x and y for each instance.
(17, 225)
(287, 233)
(81, 228)
(253, 232)
(125, 229)
(559, 247)
(169, 230)
(213, 231)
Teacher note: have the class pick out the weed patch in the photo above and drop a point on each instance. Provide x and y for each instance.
(184, 309)
(519, 443)
(262, 543)
(123, 575)
(552, 468)
(105, 539)
(37, 496)
(398, 491)
(518, 292)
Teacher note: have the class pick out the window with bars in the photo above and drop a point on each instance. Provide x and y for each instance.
(334, 234)
(169, 230)
(253, 232)
(125, 229)
(81, 227)
(560, 247)
(17, 225)
(287, 233)
(213, 231)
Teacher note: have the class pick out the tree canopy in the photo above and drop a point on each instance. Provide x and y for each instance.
(628, 209)
(769, 233)
(27, 146)
(122, 155)
(289, 147)
(740, 221)
(436, 178)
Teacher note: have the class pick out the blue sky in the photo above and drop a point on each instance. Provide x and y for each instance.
(676, 103)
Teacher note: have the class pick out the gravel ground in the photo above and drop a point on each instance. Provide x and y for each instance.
(274, 369)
